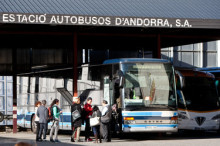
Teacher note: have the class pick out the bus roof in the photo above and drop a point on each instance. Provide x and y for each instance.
(193, 73)
(209, 69)
(129, 60)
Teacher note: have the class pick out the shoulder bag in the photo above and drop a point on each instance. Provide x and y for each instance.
(94, 121)
(75, 115)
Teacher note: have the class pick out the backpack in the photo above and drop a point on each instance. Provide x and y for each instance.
(50, 114)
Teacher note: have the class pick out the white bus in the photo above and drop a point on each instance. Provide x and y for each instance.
(143, 90)
(198, 102)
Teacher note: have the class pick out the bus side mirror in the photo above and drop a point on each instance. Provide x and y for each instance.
(179, 80)
(217, 83)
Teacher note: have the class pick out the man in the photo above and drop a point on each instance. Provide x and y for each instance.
(105, 121)
(88, 112)
(42, 113)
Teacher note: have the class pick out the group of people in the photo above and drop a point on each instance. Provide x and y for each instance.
(101, 129)
(79, 115)
(45, 115)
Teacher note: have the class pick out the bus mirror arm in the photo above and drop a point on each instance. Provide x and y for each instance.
(121, 79)
(121, 82)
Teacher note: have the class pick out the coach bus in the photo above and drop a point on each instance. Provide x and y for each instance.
(198, 102)
(142, 90)
(215, 71)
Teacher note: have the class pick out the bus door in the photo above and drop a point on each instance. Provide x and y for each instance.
(112, 96)
(65, 118)
(107, 90)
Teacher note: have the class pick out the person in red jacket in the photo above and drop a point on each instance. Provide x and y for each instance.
(88, 112)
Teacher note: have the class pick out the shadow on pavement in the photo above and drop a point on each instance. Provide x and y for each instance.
(162, 136)
(12, 141)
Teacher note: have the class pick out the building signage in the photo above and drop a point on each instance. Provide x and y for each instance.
(100, 20)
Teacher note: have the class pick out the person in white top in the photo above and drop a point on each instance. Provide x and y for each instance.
(105, 121)
(38, 104)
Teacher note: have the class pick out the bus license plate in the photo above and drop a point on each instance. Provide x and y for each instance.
(150, 127)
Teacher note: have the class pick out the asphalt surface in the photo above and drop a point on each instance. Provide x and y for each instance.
(135, 139)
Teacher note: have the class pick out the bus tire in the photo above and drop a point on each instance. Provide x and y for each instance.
(33, 124)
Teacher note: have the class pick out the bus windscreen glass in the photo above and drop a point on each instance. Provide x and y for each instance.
(148, 85)
(200, 93)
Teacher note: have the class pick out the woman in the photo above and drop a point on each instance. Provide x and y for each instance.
(96, 129)
(87, 113)
(37, 104)
(78, 122)
(56, 114)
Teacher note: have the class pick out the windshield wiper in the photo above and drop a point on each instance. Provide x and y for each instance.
(134, 109)
(161, 106)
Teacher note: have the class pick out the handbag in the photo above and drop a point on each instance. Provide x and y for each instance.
(107, 117)
(94, 121)
(75, 115)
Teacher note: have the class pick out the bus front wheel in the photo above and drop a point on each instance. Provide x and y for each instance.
(33, 125)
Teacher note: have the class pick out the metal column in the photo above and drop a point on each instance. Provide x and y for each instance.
(158, 47)
(14, 61)
(75, 72)
(14, 104)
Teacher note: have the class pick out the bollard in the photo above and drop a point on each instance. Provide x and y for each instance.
(14, 119)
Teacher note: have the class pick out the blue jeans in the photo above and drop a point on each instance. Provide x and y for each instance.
(43, 127)
(96, 130)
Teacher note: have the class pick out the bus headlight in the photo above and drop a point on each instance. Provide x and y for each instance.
(216, 117)
(129, 122)
(181, 116)
(174, 120)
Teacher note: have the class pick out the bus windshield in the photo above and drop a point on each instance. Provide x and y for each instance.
(200, 93)
(149, 85)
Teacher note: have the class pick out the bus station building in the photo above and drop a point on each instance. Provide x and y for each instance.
(43, 38)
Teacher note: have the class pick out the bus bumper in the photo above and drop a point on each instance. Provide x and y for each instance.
(150, 128)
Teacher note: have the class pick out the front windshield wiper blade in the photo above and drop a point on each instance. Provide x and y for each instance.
(150, 106)
(161, 106)
(134, 109)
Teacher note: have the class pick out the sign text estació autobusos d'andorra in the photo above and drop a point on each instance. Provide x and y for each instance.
(96, 20)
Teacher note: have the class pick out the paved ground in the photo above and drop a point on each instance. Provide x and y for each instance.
(183, 139)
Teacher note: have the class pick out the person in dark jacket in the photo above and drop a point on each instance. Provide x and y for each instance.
(42, 113)
(76, 125)
(96, 129)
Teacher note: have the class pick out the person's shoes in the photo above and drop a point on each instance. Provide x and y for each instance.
(79, 140)
(56, 141)
(51, 140)
(104, 141)
(89, 139)
(72, 140)
(39, 140)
